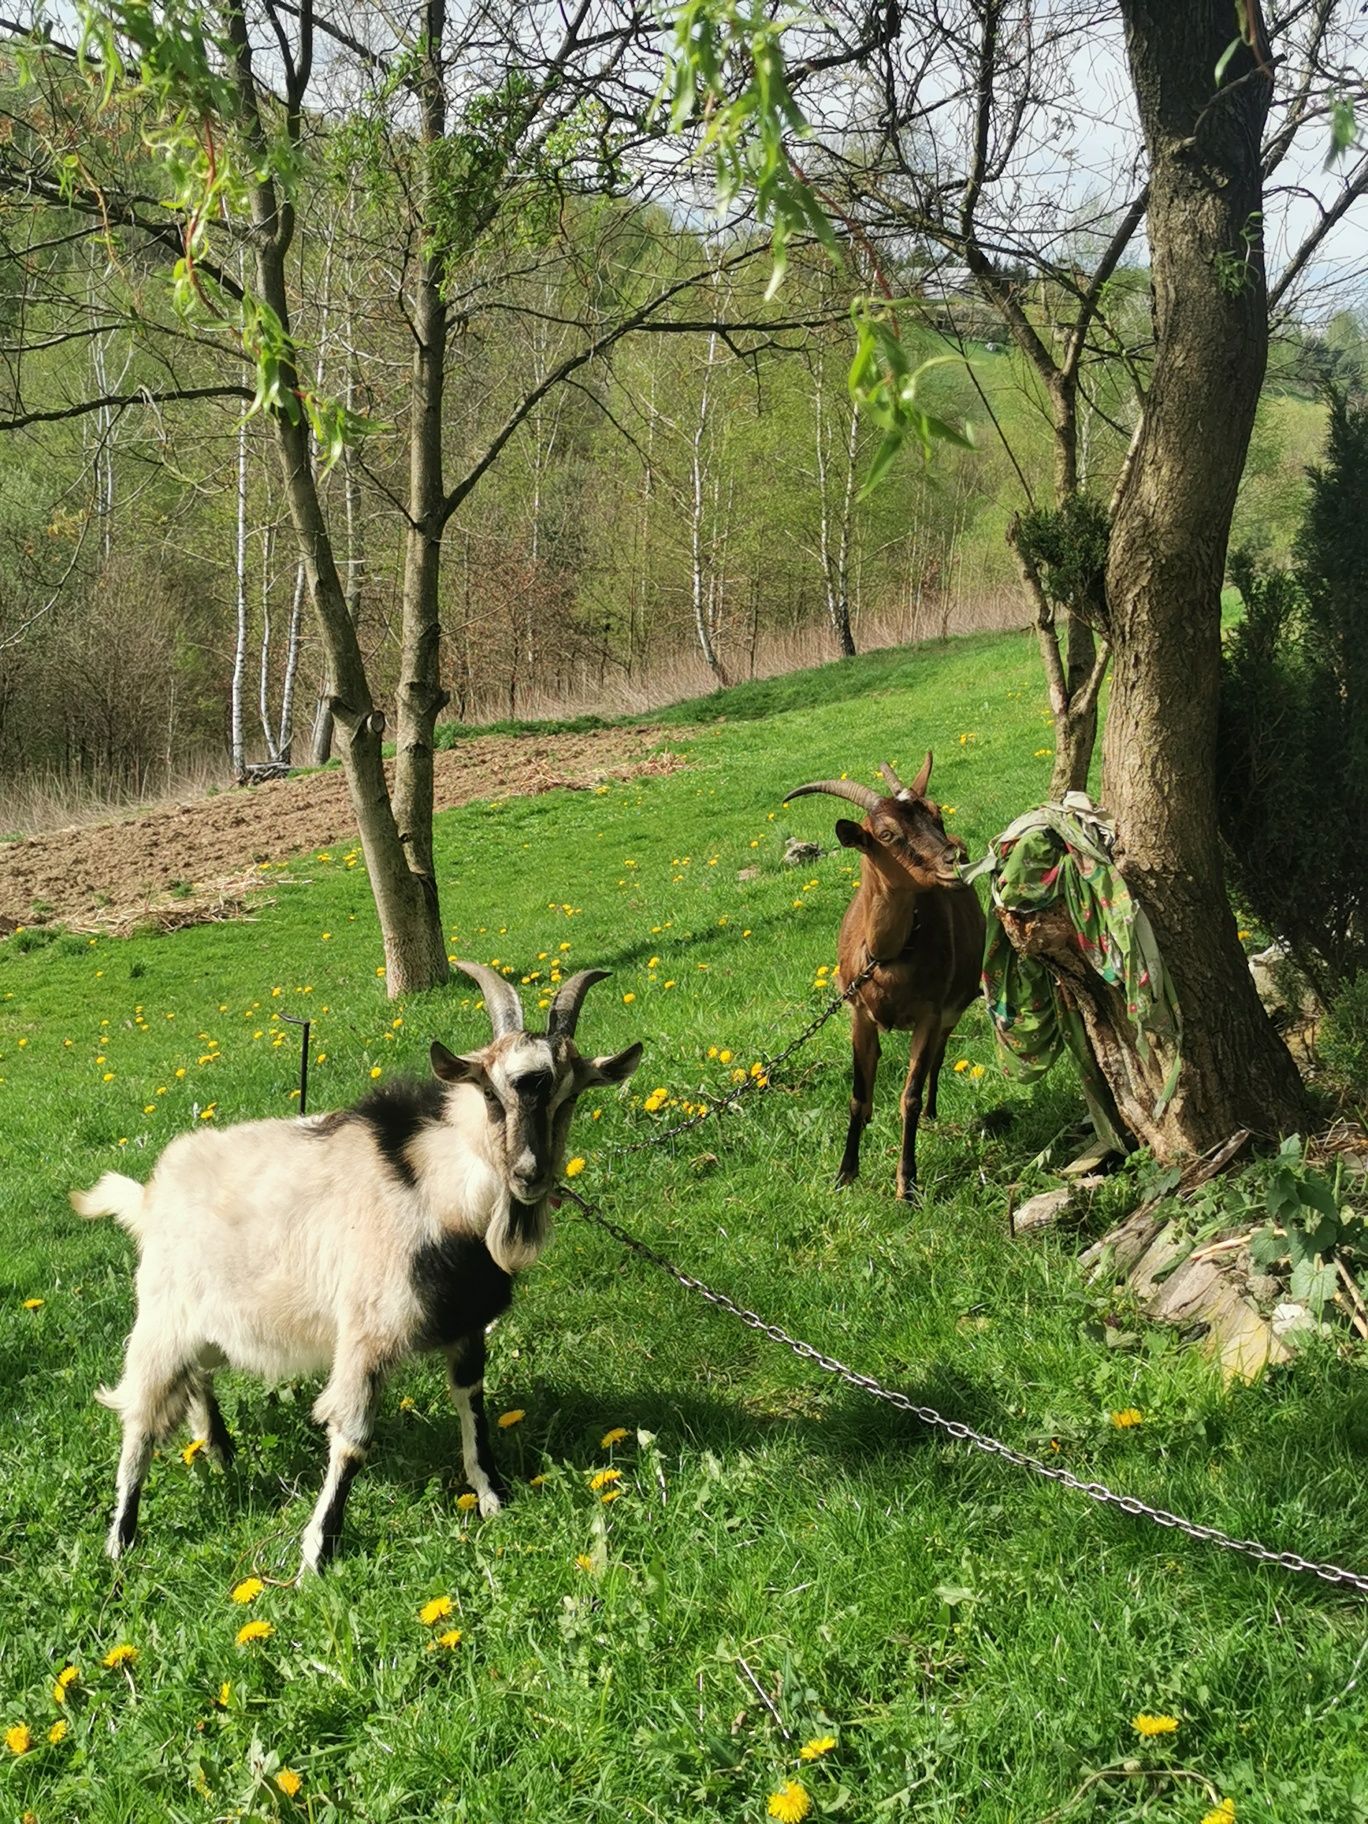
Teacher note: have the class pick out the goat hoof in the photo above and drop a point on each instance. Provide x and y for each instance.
(844, 1179)
(492, 1502)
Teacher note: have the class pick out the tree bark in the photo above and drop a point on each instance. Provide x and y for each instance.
(1167, 554)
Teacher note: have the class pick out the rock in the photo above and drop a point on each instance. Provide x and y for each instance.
(1040, 1211)
(748, 874)
(797, 853)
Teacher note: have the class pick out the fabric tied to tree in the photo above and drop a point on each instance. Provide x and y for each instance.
(1063, 852)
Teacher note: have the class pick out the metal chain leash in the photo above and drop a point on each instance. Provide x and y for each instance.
(927, 1415)
(768, 1067)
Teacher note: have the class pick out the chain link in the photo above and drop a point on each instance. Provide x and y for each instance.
(927, 1415)
(769, 1066)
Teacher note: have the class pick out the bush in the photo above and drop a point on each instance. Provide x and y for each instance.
(1292, 763)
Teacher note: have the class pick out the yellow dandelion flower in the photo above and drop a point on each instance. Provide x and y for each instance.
(1124, 1420)
(437, 1609)
(613, 1494)
(515, 1417)
(724, 1056)
(451, 1638)
(1223, 1814)
(288, 1781)
(34, 1304)
(627, 999)
(791, 1804)
(1144, 1724)
(248, 1590)
(375, 1070)
(18, 1738)
(193, 1449)
(961, 1064)
(66, 1678)
(225, 1693)
(123, 1655)
(816, 1748)
(467, 1502)
(601, 1478)
(58, 1730)
(573, 1167)
(583, 1561)
(252, 1631)
(615, 1436)
(976, 1071)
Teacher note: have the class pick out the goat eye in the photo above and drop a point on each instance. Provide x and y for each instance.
(887, 835)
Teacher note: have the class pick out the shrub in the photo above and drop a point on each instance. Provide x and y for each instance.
(1292, 764)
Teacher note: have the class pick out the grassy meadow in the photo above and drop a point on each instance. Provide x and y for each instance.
(973, 1643)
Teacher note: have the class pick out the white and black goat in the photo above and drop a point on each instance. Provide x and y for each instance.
(349, 1241)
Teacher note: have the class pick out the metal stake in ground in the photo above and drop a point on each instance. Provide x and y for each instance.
(303, 1059)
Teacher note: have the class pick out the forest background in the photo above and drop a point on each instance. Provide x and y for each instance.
(683, 510)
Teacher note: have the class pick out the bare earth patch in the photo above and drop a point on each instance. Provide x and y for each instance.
(110, 876)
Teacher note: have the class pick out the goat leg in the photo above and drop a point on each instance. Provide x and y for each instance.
(933, 1076)
(206, 1421)
(347, 1406)
(150, 1399)
(864, 1067)
(465, 1376)
(925, 1039)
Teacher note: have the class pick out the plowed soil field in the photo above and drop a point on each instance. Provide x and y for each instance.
(109, 875)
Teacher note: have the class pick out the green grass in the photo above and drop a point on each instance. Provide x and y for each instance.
(976, 1639)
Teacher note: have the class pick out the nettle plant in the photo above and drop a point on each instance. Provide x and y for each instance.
(1308, 1226)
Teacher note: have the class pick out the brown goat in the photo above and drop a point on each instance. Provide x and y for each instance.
(923, 929)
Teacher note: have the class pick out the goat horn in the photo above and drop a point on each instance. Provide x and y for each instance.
(500, 998)
(895, 785)
(863, 795)
(561, 1021)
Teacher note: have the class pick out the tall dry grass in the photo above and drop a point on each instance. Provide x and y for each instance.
(53, 798)
(673, 675)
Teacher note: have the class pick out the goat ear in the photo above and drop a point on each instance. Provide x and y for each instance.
(917, 789)
(851, 835)
(611, 1070)
(451, 1069)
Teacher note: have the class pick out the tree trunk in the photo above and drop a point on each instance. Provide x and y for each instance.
(1075, 722)
(420, 698)
(415, 953)
(236, 744)
(1167, 555)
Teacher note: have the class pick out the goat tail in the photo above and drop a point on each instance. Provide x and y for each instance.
(116, 1196)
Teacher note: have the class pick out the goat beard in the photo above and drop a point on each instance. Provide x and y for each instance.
(517, 1234)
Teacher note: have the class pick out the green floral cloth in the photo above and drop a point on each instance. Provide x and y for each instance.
(1066, 849)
